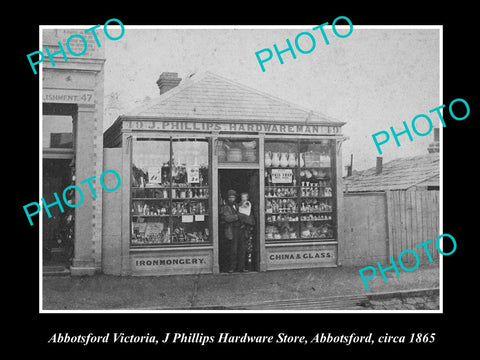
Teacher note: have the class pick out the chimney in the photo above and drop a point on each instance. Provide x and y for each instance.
(379, 165)
(349, 168)
(167, 81)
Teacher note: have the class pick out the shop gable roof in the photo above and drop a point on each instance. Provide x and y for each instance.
(398, 174)
(209, 96)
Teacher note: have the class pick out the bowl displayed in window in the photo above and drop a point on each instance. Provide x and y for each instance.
(234, 155)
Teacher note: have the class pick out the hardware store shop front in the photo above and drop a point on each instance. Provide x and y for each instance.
(175, 177)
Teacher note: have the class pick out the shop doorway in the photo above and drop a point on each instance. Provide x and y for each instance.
(57, 230)
(240, 180)
(58, 165)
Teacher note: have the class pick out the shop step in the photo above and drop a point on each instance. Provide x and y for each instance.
(55, 270)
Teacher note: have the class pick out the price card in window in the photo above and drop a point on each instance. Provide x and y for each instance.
(282, 176)
(193, 174)
(155, 175)
(187, 218)
(199, 217)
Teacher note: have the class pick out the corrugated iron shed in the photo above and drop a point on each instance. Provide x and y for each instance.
(398, 174)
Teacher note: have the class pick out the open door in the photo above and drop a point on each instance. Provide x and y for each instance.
(240, 180)
(57, 230)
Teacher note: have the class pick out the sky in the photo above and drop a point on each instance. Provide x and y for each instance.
(372, 79)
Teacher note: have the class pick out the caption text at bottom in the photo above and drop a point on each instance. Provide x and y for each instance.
(227, 338)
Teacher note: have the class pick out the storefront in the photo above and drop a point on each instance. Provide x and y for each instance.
(72, 118)
(175, 176)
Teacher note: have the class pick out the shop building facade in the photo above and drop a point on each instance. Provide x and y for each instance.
(72, 150)
(181, 152)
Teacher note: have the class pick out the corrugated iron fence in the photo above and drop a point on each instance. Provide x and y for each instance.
(413, 218)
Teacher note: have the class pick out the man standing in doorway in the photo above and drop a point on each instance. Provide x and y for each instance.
(229, 215)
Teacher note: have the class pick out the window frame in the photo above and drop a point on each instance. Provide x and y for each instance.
(333, 185)
(208, 218)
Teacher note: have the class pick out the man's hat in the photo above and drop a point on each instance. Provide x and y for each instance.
(231, 192)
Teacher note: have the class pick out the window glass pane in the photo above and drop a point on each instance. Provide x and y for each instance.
(150, 193)
(298, 190)
(57, 131)
(237, 151)
(281, 191)
(316, 206)
(190, 191)
(150, 163)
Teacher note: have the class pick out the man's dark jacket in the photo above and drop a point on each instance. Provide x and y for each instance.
(229, 216)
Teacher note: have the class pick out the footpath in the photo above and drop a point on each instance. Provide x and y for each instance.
(305, 289)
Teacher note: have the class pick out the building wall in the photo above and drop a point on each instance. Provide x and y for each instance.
(98, 168)
(112, 217)
(80, 81)
(51, 37)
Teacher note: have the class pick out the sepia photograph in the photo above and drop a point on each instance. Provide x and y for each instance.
(241, 168)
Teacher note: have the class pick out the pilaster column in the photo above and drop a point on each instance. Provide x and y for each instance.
(83, 261)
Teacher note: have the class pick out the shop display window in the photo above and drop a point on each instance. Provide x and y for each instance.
(170, 192)
(299, 202)
(237, 151)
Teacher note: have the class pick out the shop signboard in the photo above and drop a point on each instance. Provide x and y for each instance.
(209, 126)
(318, 256)
(68, 96)
(173, 263)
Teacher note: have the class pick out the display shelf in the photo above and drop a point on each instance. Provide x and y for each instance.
(145, 199)
(149, 187)
(165, 215)
(169, 245)
(187, 187)
(314, 220)
(298, 212)
(299, 242)
(315, 178)
(316, 238)
(315, 167)
(316, 197)
(281, 212)
(189, 198)
(168, 187)
(178, 215)
(281, 197)
(317, 184)
(281, 167)
(303, 214)
(277, 221)
(294, 241)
